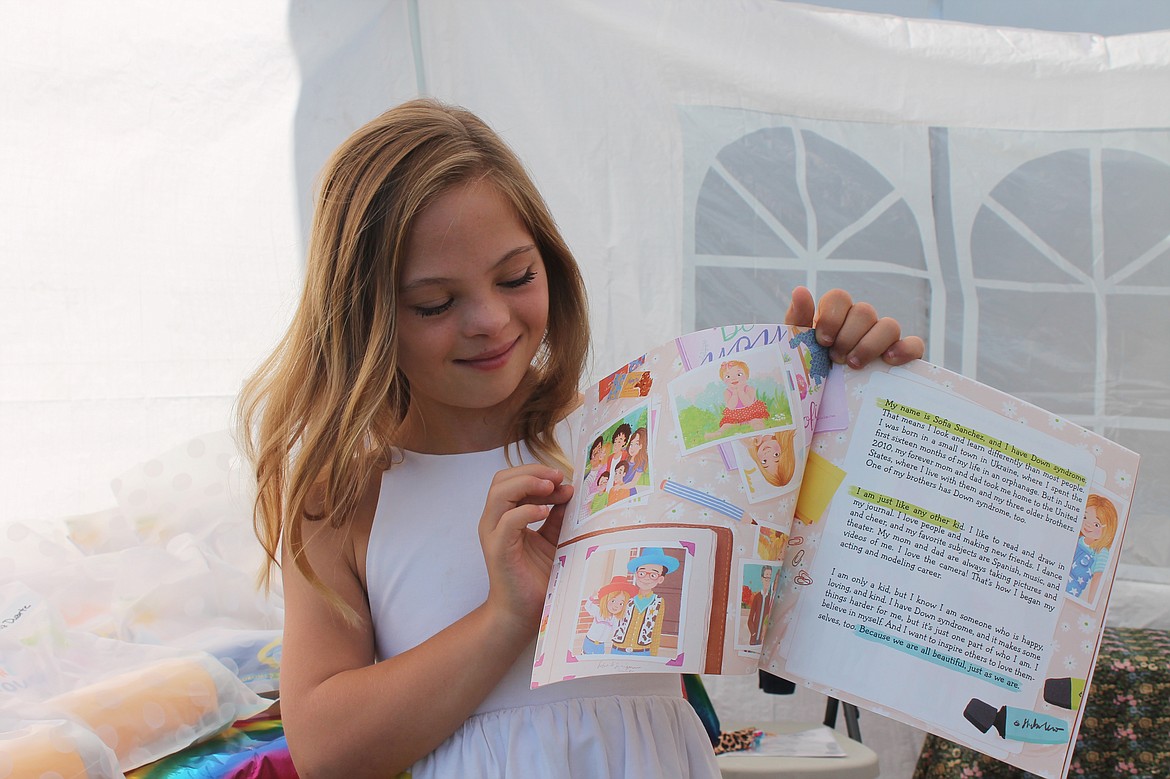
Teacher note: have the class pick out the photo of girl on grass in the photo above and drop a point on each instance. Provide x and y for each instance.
(741, 395)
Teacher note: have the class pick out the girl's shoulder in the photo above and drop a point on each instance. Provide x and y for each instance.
(343, 542)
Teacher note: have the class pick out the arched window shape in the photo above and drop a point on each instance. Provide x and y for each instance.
(782, 206)
(1035, 262)
(1067, 281)
(1072, 249)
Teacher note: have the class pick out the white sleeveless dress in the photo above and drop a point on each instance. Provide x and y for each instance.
(425, 569)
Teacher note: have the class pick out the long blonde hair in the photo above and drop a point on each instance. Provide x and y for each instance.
(319, 417)
(785, 465)
(1107, 516)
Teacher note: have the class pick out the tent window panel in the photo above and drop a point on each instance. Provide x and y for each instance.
(726, 296)
(1136, 362)
(1046, 360)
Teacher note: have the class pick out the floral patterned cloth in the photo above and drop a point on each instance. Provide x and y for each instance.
(1126, 728)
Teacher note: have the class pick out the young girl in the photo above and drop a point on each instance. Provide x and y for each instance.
(639, 458)
(1091, 557)
(741, 406)
(606, 608)
(774, 455)
(412, 477)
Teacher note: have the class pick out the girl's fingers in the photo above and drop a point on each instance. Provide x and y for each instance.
(518, 518)
(551, 529)
(860, 329)
(873, 342)
(530, 486)
(909, 348)
(514, 485)
(831, 315)
(801, 308)
(852, 331)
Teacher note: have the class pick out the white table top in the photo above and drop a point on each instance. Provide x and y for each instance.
(859, 762)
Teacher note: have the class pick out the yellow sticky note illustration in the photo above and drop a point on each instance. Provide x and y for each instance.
(821, 480)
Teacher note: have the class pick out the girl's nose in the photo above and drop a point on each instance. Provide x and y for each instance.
(486, 316)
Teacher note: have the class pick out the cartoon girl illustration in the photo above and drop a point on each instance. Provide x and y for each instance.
(606, 607)
(742, 407)
(638, 458)
(1092, 554)
(774, 455)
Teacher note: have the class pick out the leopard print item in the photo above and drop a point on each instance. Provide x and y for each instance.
(737, 740)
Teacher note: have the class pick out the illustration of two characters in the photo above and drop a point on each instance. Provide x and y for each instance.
(635, 614)
(1091, 558)
(619, 462)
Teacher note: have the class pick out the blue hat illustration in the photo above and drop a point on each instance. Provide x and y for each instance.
(653, 555)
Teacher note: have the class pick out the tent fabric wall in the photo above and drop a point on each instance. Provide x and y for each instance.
(158, 170)
(595, 101)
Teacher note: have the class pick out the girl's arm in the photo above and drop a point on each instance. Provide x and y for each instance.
(852, 331)
(347, 716)
(592, 609)
(1091, 590)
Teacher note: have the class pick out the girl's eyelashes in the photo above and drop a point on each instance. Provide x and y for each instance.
(527, 277)
(425, 311)
(516, 283)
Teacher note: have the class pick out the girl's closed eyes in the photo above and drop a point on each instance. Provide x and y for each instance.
(524, 278)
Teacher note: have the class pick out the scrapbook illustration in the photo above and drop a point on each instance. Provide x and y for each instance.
(904, 539)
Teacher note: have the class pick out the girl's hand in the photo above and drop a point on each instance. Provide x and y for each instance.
(519, 558)
(852, 331)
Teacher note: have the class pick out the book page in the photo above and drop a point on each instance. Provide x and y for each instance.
(688, 463)
(942, 577)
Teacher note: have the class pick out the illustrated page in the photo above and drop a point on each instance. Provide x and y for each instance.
(953, 565)
(688, 463)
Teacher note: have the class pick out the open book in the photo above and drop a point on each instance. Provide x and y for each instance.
(905, 539)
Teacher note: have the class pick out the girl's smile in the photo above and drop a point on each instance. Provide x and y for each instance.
(491, 359)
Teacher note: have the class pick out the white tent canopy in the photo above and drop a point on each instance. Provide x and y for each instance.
(1001, 191)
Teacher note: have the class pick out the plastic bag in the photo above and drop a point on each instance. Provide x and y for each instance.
(142, 701)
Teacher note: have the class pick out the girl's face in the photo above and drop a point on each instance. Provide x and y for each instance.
(734, 376)
(1091, 527)
(768, 452)
(597, 452)
(472, 312)
(635, 445)
(617, 603)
